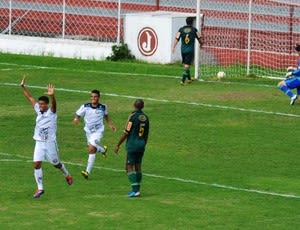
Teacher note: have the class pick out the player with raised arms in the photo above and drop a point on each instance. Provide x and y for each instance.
(292, 80)
(45, 136)
(93, 114)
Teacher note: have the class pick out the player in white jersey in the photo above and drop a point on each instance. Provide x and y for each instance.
(45, 136)
(93, 114)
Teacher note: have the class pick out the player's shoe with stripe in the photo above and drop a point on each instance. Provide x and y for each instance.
(85, 174)
(132, 194)
(38, 193)
(69, 180)
(104, 154)
(293, 99)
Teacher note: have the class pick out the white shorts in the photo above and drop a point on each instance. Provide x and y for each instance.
(94, 138)
(46, 151)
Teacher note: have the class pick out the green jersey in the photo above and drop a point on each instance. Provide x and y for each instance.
(188, 34)
(137, 129)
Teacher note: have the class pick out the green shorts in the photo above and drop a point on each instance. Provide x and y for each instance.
(134, 158)
(187, 58)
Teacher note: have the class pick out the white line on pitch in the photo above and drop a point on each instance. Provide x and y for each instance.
(178, 179)
(131, 74)
(170, 101)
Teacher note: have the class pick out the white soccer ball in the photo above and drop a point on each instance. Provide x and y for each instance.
(221, 74)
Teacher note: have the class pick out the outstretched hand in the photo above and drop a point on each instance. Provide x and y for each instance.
(50, 90)
(22, 83)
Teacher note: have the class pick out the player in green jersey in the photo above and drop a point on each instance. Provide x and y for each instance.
(187, 34)
(136, 133)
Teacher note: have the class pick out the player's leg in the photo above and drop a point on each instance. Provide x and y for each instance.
(95, 140)
(286, 86)
(185, 70)
(53, 158)
(131, 174)
(38, 157)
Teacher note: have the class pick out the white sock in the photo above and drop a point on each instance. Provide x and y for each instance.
(64, 170)
(38, 175)
(90, 163)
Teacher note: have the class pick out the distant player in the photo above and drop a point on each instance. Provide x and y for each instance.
(93, 114)
(136, 133)
(292, 80)
(45, 136)
(187, 34)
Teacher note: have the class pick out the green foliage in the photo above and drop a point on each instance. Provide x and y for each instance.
(121, 52)
(196, 135)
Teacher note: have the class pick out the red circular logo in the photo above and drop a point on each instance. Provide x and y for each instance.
(147, 41)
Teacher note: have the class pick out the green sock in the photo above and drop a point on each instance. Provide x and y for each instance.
(188, 74)
(132, 180)
(139, 179)
(185, 74)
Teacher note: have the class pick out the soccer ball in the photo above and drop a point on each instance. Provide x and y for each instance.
(221, 74)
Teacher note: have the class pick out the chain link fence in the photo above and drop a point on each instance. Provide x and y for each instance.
(244, 36)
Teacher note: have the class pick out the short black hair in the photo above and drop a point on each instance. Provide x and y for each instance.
(139, 104)
(297, 47)
(189, 21)
(96, 92)
(44, 99)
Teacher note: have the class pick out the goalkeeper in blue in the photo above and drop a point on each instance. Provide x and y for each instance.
(292, 80)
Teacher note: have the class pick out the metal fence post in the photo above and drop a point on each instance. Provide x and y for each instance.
(63, 18)
(249, 37)
(119, 23)
(10, 17)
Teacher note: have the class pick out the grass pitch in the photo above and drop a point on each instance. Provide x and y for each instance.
(221, 155)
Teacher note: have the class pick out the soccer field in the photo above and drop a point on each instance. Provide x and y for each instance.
(221, 155)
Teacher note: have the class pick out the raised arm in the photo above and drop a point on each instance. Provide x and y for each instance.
(50, 93)
(26, 92)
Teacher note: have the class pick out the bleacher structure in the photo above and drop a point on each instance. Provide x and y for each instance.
(240, 36)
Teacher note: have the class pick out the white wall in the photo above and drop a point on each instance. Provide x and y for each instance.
(54, 47)
(165, 24)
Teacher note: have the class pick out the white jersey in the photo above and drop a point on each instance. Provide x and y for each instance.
(93, 117)
(45, 125)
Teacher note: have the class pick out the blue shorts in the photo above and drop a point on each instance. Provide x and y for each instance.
(293, 82)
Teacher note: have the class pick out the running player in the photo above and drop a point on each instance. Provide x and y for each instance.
(136, 132)
(292, 80)
(93, 114)
(187, 34)
(45, 136)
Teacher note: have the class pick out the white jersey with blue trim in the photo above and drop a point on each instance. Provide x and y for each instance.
(45, 125)
(93, 117)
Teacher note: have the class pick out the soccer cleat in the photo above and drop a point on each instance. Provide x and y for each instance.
(104, 154)
(132, 194)
(38, 193)
(293, 99)
(69, 180)
(85, 174)
(181, 83)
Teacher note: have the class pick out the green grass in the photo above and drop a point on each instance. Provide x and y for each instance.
(199, 142)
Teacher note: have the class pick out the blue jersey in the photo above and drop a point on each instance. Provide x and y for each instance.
(296, 72)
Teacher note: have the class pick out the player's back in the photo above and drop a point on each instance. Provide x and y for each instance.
(188, 36)
(138, 135)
